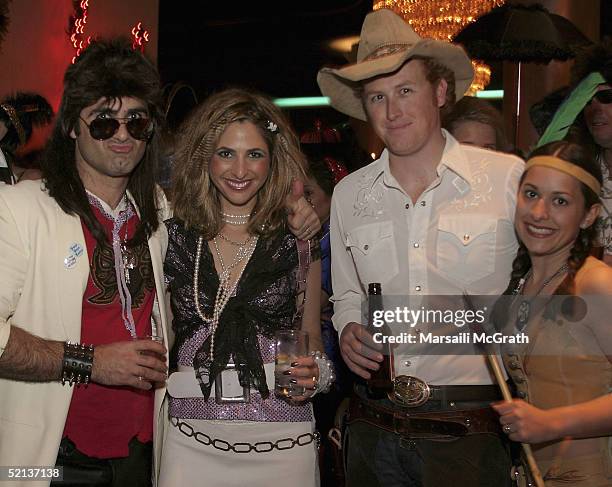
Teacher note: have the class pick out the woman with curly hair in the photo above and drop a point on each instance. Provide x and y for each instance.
(236, 276)
(563, 375)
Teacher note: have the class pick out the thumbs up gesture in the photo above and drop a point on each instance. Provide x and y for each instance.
(302, 219)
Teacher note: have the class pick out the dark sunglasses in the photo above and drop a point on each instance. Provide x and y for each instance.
(604, 96)
(105, 128)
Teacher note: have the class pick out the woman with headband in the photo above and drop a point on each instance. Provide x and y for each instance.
(563, 376)
(237, 276)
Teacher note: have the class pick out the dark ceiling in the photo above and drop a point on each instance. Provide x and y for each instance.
(275, 47)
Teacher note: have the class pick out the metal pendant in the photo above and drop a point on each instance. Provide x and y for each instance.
(129, 261)
(522, 316)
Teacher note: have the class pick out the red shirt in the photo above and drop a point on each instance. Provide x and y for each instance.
(102, 419)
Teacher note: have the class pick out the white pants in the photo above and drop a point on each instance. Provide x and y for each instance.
(186, 462)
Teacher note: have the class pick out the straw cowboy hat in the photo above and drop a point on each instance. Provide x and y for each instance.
(386, 42)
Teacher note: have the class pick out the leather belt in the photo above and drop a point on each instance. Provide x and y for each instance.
(465, 393)
(183, 384)
(410, 391)
(424, 424)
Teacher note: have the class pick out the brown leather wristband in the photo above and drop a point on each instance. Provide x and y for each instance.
(77, 363)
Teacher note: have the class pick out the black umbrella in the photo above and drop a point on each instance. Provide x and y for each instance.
(521, 33)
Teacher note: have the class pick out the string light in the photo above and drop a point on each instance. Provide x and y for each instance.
(77, 27)
(140, 35)
(442, 20)
(76, 30)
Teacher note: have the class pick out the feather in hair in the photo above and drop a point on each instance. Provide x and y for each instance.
(570, 108)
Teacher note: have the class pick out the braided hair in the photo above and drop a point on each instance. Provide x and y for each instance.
(196, 200)
(583, 158)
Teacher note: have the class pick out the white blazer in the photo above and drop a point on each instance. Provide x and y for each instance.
(42, 282)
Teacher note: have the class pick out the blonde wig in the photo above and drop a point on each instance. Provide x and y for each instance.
(196, 199)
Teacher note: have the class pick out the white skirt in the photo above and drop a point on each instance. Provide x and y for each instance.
(185, 462)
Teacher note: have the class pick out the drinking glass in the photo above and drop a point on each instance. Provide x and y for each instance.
(289, 346)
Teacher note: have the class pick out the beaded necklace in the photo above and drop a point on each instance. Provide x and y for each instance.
(225, 290)
(235, 219)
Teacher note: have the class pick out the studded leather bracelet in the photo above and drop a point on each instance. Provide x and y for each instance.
(77, 363)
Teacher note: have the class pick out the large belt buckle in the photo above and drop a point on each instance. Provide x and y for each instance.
(409, 391)
(220, 397)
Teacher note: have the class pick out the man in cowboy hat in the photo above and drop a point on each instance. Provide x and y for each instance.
(429, 217)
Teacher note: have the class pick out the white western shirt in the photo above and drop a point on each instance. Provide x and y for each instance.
(458, 237)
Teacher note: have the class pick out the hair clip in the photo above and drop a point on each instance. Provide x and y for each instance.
(271, 126)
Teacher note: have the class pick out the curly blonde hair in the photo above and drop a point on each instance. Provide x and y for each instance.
(196, 200)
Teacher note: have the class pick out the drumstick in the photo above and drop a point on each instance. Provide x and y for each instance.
(501, 382)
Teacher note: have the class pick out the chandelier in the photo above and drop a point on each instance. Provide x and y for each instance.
(442, 20)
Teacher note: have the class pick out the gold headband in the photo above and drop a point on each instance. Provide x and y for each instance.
(12, 113)
(568, 168)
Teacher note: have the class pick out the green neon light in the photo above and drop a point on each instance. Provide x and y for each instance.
(305, 101)
(491, 94)
(323, 101)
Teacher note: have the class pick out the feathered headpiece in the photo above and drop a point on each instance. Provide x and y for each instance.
(568, 111)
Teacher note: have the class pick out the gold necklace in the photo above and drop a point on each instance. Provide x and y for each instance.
(233, 242)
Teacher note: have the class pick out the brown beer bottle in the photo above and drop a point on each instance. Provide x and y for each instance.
(381, 380)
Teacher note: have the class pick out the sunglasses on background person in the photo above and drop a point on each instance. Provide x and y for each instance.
(604, 96)
(105, 128)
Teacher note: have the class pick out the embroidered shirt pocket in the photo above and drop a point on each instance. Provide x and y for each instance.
(374, 253)
(466, 247)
